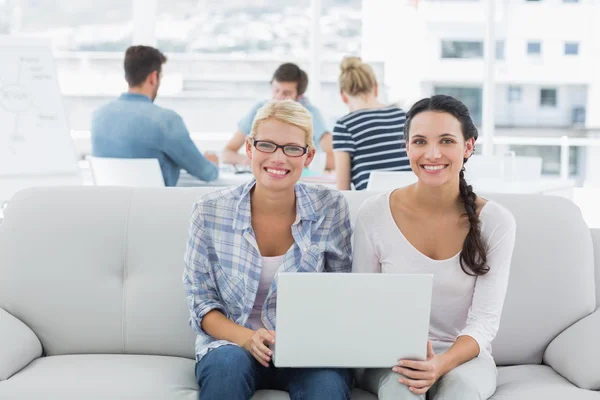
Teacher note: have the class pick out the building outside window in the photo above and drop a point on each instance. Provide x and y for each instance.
(462, 49)
(500, 50)
(571, 48)
(548, 98)
(470, 96)
(534, 48)
(515, 94)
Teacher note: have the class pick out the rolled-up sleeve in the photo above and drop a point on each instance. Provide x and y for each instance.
(198, 279)
(319, 126)
(338, 257)
(180, 147)
(483, 319)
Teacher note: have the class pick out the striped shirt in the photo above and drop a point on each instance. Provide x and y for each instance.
(223, 263)
(374, 139)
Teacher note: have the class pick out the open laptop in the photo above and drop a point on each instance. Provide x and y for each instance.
(351, 320)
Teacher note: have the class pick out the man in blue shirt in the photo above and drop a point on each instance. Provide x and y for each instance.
(132, 126)
(288, 82)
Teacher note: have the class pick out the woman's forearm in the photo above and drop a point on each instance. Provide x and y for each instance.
(220, 327)
(464, 349)
(342, 170)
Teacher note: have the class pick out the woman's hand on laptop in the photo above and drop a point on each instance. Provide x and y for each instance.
(419, 376)
(257, 345)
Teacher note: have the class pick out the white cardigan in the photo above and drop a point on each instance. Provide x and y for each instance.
(461, 304)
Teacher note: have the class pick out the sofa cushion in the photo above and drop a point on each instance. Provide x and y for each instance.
(596, 240)
(126, 377)
(100, 377)
(61, 260)
(155, 310)
(18, 345)
(551, 284)
(357, 394)
(108, 265)
(533, 382)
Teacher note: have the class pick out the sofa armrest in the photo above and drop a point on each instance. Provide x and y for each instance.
(18, 345)
(575, 353)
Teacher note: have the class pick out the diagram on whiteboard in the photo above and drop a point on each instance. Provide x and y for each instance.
(15, 98)
(34, 134)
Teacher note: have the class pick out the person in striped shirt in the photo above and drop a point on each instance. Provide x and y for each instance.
(370, 137)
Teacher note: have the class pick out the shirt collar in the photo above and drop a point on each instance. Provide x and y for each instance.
(305, 208)
(135, 97)
(304, 101)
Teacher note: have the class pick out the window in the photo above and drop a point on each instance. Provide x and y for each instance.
(550, 157)
(578, 115)
(462, 49)
(548, 97)
(500, 50)
(571, 48)
(570, 1)
(470, 96)
(72, 25)
(5, 16)
(515, 94)
(269, 29)
(341, 27)
(534, 48)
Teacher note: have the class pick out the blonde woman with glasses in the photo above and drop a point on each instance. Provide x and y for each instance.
(239, 239)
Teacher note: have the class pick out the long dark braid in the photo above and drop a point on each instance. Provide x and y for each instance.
(473, 257)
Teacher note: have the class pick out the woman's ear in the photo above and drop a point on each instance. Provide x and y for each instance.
(344, 97)
(469, 147)
(376, 90)
(310, 155)
(249, 147)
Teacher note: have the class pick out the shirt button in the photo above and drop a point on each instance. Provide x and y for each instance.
(306, 248)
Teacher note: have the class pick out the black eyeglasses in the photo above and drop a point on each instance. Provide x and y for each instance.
(290, 150)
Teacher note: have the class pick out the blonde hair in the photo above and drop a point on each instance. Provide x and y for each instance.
(356, 77)
(288, 111)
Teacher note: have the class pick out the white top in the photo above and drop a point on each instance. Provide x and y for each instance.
(270, 265)
(460, 304)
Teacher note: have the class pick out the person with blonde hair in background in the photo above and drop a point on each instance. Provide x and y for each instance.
(370, 137)
(239, 239)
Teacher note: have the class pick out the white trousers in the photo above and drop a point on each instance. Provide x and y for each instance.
(473, 380)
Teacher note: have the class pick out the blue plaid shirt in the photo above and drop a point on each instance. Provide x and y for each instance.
(223, 262)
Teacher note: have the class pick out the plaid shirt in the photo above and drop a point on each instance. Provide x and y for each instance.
(223, 262)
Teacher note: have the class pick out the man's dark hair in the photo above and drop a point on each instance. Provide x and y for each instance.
(290, 72)
(141, 61)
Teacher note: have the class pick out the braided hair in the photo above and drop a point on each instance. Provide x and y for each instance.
(473, 257)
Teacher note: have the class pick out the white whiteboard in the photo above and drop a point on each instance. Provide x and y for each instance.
(35, 138)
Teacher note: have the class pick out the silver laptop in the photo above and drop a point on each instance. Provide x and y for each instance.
(351, 320)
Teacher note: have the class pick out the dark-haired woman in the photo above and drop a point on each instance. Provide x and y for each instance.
(439, 226)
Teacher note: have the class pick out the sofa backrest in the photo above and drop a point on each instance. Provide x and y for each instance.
(551, 284)
(596, 240)
(98, 270)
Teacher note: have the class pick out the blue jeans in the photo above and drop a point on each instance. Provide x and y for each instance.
(232, 373)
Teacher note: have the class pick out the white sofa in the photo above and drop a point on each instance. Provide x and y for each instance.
(92, 302)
